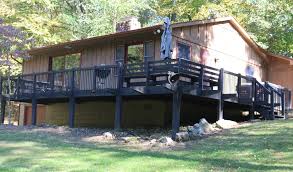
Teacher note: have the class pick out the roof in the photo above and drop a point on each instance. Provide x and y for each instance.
(78, 45)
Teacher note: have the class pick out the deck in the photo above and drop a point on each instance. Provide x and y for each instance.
(174, 77)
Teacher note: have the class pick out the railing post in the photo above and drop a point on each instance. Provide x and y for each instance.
(147, 71)
(272, 115)
(52, 81)
(94, 79)
(253, 97)
(238, 85)
(118, 103)
(221, 101)
(283, 104)
(201, 76)
(34, 101)
(71, 105)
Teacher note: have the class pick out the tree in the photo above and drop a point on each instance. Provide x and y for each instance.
(269, 22)
(13, 43)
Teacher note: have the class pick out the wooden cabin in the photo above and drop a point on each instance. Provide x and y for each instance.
(119, 80)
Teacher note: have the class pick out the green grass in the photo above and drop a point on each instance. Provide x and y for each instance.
(265, 146)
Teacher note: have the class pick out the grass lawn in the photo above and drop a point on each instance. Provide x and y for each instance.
(264, 146)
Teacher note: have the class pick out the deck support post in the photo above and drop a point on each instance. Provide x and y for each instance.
(118, 102)
(34, 102)
(176, 107)
(71, 105)
(3, 105)
(71, 111)
(284, 114)
(118, 112)
(253, 97)
(220, 110)
(34, 111)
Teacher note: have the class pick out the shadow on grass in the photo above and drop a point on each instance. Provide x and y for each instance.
(248, 148)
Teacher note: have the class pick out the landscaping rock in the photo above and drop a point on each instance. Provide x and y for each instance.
(205, 126)
(226, 124)
(167, 141)
(182, 136)
(108, 135)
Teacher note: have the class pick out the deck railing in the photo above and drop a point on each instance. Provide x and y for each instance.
(104, 79)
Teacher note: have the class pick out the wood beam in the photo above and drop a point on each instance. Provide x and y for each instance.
(71, 107)
(176, 107)
(34, 111)
(119, 104)
(118, 112)
(3, 105)
(221, 100)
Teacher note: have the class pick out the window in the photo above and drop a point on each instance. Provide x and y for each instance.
(66, 62)
(149, 51)
(135, 53)
(120, 52)
(183, 51)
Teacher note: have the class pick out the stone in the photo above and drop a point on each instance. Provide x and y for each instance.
(182, 136)
(108, 135)
(226, 124)
(205, 126)
(190, 128)
(166, 140)
(182, 129)
(196, 132)
(153, 141)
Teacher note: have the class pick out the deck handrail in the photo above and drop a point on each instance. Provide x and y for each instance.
(184, 67)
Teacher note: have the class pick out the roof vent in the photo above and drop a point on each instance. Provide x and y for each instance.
(128, 23)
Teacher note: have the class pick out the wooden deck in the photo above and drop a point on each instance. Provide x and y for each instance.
(174, 77)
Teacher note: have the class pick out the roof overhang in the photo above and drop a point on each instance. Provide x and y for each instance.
(77, 46)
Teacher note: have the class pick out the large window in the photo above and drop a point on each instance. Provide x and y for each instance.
(183, 51)
(149, 51)
(66, 62)
(135, 53)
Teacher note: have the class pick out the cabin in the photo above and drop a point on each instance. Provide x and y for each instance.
(120, 81)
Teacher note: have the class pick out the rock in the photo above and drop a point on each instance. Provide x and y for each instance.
(167, 141)
(226, 124)
(182, 129)
(205, 126)
(189, 128)
(108, 135)
(182, 136)
(196, 132)
(153, 141)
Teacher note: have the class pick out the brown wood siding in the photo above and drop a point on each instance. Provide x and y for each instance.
(226, 48)
(102, 113)
(41, 110)
(281, 72)
(36, 65)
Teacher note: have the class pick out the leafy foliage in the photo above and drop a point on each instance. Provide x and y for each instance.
(13, 43)
(269, 22)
